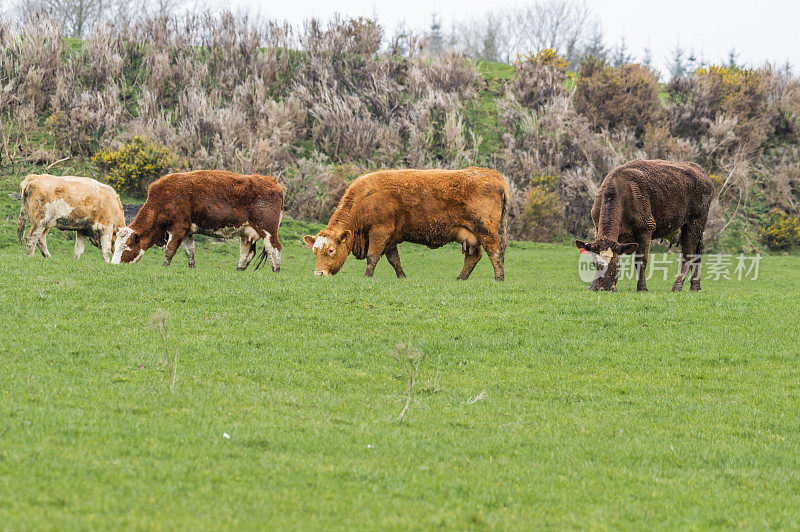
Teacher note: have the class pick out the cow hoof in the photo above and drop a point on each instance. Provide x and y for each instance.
(677, 288)
(695, 289)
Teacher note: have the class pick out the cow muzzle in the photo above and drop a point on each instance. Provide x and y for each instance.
(322, 273)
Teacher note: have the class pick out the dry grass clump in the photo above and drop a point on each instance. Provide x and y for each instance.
(540, 78)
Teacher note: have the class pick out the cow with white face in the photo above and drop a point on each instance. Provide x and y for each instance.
(127, 247)
(379, 210)
(208, 202)
(331, 251)
(90, 208)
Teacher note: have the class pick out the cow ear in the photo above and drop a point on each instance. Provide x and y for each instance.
(345, 236)
(628, 249)
(309, 240)
(580, 244)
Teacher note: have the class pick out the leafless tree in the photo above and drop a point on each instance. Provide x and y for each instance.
(76, 17)
(568, 26)
(484, 37)
(563, 25)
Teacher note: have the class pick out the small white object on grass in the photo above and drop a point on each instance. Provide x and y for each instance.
(479, 397)
(226, 435)
(369, 446)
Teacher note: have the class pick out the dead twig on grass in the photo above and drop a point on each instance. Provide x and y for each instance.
(49, 166)
(413, 357)
(479, 397)
(159, 321)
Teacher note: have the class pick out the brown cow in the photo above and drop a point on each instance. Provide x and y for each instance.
(430, 207)
(642, 200)
(70, 203)
(209, 202)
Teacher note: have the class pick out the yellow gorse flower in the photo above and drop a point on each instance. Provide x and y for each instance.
(135, 165)
(782, 232)
(547, 57)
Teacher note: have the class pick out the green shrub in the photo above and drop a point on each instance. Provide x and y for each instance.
(132, 168)
(626, 96)
(542, 217)
(782, 232)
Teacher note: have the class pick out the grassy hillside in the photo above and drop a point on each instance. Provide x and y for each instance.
(537, 403)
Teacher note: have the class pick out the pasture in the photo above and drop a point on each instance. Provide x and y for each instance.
(537, 403)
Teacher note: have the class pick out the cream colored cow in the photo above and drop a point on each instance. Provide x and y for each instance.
(69, 203)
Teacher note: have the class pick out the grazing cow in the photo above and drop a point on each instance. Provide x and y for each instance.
(70, 203)
(209, 202)
(430, 207)
(642, 200)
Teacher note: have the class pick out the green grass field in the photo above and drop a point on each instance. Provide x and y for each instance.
(623, 410)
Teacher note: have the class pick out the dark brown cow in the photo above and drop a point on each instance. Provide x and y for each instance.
(209, 202)
(430, 207)
(642, 200)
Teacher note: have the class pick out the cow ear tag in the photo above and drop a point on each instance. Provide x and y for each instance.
(583, 251)
(311, 246)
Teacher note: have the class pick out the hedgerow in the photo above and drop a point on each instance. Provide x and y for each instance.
(222, 91)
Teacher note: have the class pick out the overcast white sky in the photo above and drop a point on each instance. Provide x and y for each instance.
(759, 30)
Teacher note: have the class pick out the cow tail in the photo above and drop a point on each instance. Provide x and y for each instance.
(23, 216)
(503, 230)
(261, 258)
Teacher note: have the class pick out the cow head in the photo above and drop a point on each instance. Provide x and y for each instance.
(331, 247)
(127, 246)
(606, 253)
(606, 249)
(114, 233)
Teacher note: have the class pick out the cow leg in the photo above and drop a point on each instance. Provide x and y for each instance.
(471, 258)
(80, 244)
(30, 244)
(677, 286)
(690, 238)
(695, 286)
(174, 240)
(188, 248)
(641, 260)
(42, 244)
(106, 240)
(265, 220)
(247, 250)
(35, 234)
(394, 259)
(491, 245)
(377, 244)
(696, 238)
(273, 248)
